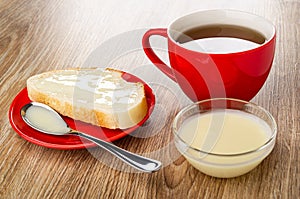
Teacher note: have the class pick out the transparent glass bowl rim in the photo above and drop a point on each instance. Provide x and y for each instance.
(188, 107)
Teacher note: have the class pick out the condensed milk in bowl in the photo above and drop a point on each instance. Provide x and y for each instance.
(224, 137)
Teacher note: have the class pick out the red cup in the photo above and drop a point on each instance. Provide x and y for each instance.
(238, 73)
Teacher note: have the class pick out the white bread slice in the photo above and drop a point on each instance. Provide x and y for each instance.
(97, 96)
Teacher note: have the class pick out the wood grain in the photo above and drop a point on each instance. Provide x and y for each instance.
(37, 36)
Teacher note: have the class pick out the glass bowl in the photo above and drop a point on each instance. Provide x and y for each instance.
(244, 147)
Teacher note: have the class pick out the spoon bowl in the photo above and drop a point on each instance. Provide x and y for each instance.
(44, 119)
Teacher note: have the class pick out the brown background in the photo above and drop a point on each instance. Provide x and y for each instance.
(37, 36)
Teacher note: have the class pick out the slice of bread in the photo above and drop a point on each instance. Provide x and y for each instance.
(97, 96)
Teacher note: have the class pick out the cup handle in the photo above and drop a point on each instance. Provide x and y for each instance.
(151, 54)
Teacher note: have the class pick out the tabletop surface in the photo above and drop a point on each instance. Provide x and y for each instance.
(38, 36)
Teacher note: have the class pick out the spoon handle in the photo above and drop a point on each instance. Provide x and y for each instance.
(139, 162)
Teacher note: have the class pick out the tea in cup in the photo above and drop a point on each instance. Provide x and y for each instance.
(217, 53)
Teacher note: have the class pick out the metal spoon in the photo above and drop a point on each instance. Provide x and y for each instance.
(46, 120)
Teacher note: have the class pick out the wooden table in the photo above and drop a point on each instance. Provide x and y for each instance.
(37, 36)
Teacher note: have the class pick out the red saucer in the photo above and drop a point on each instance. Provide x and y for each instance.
(71, 141)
